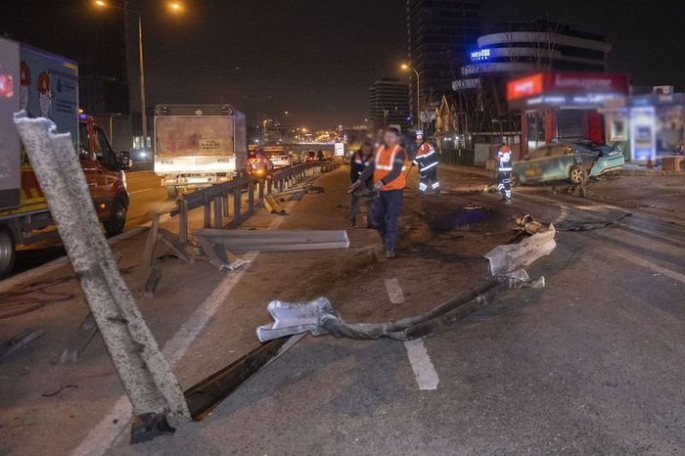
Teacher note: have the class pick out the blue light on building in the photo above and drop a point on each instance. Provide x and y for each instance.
(480, 55)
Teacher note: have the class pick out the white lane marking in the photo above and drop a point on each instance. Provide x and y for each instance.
(424, 371)
(140, 191)
(394, 291)
(106, 432)
(421, 364)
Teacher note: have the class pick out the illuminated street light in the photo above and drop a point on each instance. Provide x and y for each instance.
(176, 7)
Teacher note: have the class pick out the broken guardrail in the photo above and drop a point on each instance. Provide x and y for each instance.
(318, 317)
(215, 199)
(145, 374)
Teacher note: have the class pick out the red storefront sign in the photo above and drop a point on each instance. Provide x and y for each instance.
(562, 83)
(525, 87)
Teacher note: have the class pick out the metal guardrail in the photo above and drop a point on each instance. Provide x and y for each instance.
(215, 199)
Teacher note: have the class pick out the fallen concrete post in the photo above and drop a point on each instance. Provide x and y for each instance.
(144, 372)
(510, 257)
(318, 317)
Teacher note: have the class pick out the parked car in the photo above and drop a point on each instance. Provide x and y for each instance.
(573, 161)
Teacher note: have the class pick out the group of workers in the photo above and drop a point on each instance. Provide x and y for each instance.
(381, 177)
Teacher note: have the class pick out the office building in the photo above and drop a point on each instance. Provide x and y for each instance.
(440, 34)
(389, 103)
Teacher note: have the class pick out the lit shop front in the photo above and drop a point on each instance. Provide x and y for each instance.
(564, 106)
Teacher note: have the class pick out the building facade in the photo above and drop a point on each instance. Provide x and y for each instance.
(389, 103)
(513, 51)
(518, 48)
(440, 32)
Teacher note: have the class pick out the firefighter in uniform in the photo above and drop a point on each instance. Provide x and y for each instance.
(427, 162)
(389, 177)
(504, 169)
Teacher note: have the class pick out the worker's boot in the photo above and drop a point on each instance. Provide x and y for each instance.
(389, 254)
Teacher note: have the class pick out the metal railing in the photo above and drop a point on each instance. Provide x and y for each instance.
(215, 199)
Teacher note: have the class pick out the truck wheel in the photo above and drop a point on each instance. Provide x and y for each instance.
(7, 251)
(117, 218)
(172, 192)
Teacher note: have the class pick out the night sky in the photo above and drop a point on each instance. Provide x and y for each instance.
(317, 58)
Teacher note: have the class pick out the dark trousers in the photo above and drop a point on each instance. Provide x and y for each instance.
(428, 179)
(355, 201)
(386, 214)
(504, 184)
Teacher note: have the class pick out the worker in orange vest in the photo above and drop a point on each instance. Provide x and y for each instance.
(389, 177)
(427, 161)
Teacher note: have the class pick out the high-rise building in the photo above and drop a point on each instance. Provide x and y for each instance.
(441, 32)
(389, 103)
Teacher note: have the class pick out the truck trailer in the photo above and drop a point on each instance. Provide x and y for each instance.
(46, 85)
(198, 145)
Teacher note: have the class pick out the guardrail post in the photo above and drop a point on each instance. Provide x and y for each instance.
(250, 198)
(183, 220)
(208, 210)
(237, 202)
(218, 220)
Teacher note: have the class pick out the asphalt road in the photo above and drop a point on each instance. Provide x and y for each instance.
(591, 364)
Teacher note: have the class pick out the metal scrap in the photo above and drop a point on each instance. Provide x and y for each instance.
(17, 343)
(243, 241)
(318, 317)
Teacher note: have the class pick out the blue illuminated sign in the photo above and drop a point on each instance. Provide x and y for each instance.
(480, 55)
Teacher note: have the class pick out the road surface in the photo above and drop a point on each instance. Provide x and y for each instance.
(591, 364)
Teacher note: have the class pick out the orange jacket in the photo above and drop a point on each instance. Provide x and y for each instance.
(386, 159)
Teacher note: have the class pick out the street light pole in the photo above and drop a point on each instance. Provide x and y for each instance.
(418, 91)
(418, 94)
(143, 107)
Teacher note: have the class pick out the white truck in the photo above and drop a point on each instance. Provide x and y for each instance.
(198, 145)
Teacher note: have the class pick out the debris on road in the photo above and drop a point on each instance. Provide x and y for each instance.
(17, 343)
(593, 225)
(56, 393)
(273, 206)
(530, 225)
(80, 340)
(318, 317)
(243, 241)
(510, 257)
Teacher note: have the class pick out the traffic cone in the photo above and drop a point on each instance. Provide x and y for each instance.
(650, 164)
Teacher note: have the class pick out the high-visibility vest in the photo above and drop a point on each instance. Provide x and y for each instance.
(385, 159)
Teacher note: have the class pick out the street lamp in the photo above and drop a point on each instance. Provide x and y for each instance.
(406, 67)
(174, 6)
